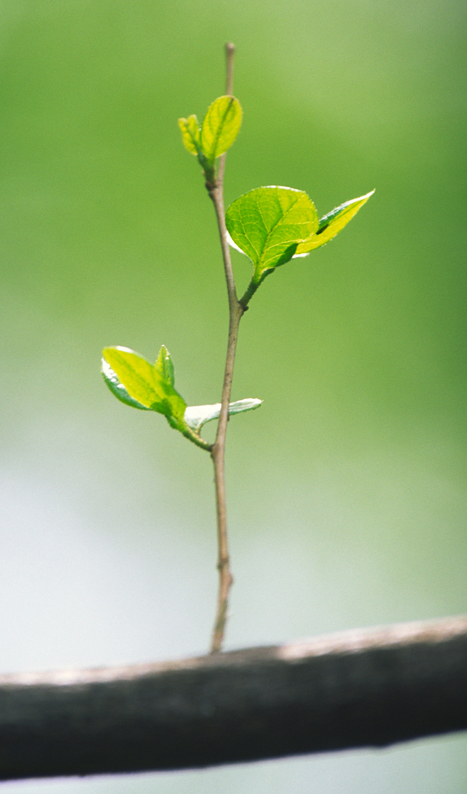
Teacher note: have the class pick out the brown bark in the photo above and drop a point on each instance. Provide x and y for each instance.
(362, 688)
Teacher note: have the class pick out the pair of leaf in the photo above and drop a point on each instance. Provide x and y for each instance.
(150, 387)
(273, 224)
(217, 132)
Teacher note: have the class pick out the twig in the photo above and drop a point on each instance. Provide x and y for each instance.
(229, 64)
(236, 310)
(362, 688)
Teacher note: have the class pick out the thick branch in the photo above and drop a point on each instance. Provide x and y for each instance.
(362, 688)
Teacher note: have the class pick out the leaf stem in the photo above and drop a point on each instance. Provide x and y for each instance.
(236, 310)
(194, 437)
(249, 292)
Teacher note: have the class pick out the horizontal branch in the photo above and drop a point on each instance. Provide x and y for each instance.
(363, 688)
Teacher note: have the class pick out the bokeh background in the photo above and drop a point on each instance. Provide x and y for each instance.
(347, 492)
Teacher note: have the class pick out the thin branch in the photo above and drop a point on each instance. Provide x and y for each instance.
(362, 688)
(216, 192)
(229, 69)
(229, 55)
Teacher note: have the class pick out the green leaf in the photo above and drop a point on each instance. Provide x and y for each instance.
(332, 223)
(197, 415)
(191, 134)
(164, 365)
(149, 387)
(117, 388)
(145, 384)
(269, 223)
(220, 126)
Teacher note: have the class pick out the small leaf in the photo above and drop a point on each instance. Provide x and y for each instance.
(197, 415)
(145, 384)
(117, 388)
(140, 384)
(332, 223)
(191, 134)
(220, 126)
(164, 365)
(269, 223)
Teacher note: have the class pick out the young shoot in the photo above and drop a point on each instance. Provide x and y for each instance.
(270, 225)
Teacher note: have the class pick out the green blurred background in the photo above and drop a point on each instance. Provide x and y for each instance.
(347, 496)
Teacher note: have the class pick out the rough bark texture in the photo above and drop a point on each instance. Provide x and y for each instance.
(362, 688)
